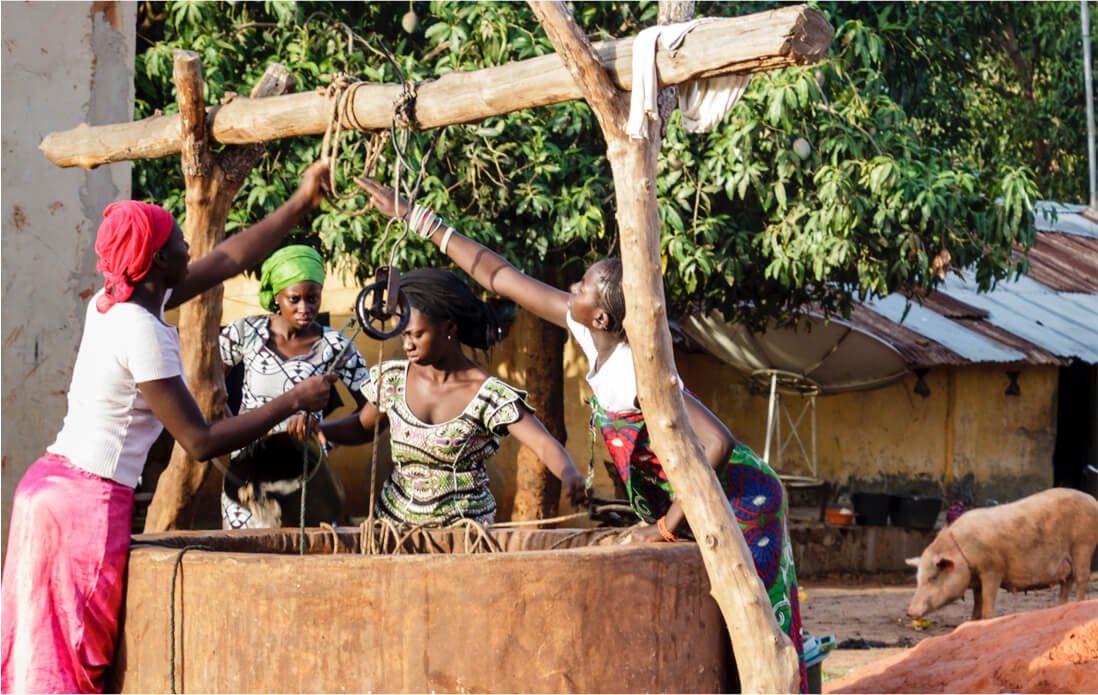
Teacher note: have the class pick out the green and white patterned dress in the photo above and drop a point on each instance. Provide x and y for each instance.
(438, 470)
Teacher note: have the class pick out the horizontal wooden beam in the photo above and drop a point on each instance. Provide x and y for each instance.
(794, 35)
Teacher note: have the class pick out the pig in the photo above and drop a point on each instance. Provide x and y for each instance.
(1038, 541)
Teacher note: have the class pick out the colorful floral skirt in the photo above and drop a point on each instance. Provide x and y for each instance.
(754, 491)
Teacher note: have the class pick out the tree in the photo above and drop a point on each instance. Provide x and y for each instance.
(999, 83)
(897, 170)
(899, 156)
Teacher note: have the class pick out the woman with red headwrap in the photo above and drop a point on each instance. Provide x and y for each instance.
(70, 526)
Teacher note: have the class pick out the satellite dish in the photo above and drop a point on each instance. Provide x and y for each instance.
(814, 357)
(832, 354)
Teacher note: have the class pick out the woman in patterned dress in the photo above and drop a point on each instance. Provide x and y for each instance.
(593, 310)
(445, 414)
(281, 349)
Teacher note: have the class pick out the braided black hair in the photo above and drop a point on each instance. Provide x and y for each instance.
(613, 297)
(443, 296)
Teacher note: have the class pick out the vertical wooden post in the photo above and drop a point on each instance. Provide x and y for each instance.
(765, 656)
(211, 184)
(537, 493)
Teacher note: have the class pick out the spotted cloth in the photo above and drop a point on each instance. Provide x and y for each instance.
(754, 491)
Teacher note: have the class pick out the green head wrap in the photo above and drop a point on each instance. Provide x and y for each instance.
(287, 266)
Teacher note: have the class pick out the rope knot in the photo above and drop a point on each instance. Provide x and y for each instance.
(339, 82)
(404, 108)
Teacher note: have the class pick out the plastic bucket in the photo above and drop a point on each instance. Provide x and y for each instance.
(871, 508)
(914, 511)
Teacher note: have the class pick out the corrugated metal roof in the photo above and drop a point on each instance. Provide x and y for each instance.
(1048, 317)
(1034, 312)
(918, 351)
(968, 344)
(1034, 354)
(1069, 219)
(1064, 262)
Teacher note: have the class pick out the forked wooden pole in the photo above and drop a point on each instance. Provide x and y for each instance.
(765, 656)
(212, 181)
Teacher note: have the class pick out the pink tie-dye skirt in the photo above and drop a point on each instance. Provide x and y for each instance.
(68, 541)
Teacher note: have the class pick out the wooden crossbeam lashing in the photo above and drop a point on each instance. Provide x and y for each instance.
(794, 35)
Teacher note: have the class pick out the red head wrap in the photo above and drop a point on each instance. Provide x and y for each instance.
(129, 234)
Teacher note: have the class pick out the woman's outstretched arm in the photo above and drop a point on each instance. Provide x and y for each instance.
(353, 429)
(487, 267)
(241, 251)
(174, 405)
(531, 432)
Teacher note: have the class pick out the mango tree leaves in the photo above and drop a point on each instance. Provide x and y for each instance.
(920, 134)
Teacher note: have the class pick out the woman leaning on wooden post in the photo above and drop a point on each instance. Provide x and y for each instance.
(593, 311)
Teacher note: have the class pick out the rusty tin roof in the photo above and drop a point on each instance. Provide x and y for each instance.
(1049, 316)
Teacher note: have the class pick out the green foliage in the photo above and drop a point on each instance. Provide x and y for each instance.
(915, 127)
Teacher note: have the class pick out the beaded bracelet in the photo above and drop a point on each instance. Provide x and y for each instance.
(661, 524)
(446, 239)
(422, 221)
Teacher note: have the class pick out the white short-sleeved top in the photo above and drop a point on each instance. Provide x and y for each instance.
(615, 382)
(109, 426)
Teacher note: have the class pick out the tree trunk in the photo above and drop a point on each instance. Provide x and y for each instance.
(538, 491)
(793, 35)
(765, 656)
(211, 184)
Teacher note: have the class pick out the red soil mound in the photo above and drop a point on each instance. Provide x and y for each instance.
(1047, 651)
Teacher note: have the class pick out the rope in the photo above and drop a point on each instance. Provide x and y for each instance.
(373, 456)
(597, 534)
(482, 537)
(336, 545)
(341, 93)
(304, 481)
(595, 509)
(381, 536)
(404, 109)
(392, 261)
(171, 601)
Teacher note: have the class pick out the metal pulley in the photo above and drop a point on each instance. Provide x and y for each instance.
(380, 302)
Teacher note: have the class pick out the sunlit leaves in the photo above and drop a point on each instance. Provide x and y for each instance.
(919, 136)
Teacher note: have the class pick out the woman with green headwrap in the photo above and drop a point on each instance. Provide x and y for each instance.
(282, 348)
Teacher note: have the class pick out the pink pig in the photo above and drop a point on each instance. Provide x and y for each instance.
(1038, 541)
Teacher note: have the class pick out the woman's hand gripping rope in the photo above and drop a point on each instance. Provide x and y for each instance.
(298, 426)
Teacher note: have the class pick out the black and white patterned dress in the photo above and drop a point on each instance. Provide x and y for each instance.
(267, 375)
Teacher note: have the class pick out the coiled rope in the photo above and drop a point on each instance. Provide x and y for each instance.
(341, 93)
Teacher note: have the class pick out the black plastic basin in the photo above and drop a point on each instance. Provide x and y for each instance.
(914, 511)
(871, 508)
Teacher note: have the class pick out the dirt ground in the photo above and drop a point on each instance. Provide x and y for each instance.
(867, 615)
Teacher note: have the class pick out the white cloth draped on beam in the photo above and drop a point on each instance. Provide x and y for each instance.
(703, 103)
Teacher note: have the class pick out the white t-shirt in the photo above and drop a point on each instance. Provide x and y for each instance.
(109, 427)
(615, 382)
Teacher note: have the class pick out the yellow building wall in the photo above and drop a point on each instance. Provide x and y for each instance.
(894, 440)
(890, 439)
